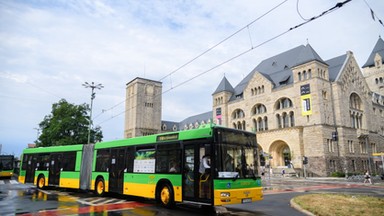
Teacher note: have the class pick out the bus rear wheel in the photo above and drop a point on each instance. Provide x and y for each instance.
(166, 196)
(40, 181)
(100, 187)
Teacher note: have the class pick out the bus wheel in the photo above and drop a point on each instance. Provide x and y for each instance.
(40, 181)
(100, 187)
(165, 196)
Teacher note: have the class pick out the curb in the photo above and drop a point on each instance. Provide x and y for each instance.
(298, 208)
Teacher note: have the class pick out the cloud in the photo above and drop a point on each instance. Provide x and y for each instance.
(49, 48)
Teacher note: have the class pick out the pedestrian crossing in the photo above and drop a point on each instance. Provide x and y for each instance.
(8, 181)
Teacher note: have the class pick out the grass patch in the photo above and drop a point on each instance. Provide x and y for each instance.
(340, 204)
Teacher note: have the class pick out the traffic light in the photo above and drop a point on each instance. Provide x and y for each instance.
(305, 160)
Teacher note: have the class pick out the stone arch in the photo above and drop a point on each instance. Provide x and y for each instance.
(281, 154)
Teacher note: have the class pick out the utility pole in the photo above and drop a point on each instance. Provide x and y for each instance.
(93, 86)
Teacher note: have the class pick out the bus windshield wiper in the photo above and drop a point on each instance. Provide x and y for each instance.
(236, 177)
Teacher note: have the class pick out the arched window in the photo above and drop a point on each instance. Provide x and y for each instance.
(299, 75)
(309, 74)
(292, 119)
(356, 111)
(278, 121)
(285, 120)
(266, 123)
(260, 124)
(238, 113)
(304, 75)
(283, 103)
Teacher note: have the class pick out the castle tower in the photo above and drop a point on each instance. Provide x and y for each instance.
(220, 102)
(373, 69)
(143, 107)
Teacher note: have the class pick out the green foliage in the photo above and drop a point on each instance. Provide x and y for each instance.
(337, 174)
(67, 125)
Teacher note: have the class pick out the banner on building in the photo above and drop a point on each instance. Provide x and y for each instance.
(306, 105)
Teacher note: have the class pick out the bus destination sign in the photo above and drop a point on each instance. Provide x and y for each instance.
(167, 137)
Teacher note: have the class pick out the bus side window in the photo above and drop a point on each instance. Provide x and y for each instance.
(168, 157)
(102, 160)
(69, 161)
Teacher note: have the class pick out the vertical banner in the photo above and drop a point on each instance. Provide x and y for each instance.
(218, 115)
(306, 104)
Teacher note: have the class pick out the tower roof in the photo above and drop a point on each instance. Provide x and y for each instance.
(308, 54)
(379, 48)
(224, 86)
(278, 70)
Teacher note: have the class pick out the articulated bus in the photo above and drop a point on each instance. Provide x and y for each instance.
(211, 165)
(7, 163)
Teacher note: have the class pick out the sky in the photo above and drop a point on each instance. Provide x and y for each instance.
(48, 49)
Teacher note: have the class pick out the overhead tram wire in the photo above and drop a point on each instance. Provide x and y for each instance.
(225, 39)
(337, 6)
(208, 50)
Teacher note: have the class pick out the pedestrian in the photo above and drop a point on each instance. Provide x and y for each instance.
(367, 177)
(283, 172)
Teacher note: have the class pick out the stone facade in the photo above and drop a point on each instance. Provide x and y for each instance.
(298, 104)
(323, 110)
(143, 108)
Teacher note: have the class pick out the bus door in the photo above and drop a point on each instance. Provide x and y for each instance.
(197, 179)
(29, 165)
(54, 169)
(116, 171)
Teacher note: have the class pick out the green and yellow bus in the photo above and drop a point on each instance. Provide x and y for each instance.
(7, 163)
(211, 165)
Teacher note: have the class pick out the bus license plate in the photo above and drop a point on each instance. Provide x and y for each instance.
(246, 200)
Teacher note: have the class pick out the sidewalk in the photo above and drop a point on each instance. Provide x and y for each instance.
(291, 183)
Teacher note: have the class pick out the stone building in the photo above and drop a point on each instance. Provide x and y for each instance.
(300, 105)
(330, 111)
(142, 107)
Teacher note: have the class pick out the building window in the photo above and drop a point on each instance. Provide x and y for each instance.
(351, 147)
(283, 103)
(278, 121)
(373, 148)
(355, 110)
(363, 148)
(353, 165)
(299, 75)
(330, 145)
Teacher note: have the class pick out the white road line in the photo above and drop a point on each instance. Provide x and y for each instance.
(14, 182)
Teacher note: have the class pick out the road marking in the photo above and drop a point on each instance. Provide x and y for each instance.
(2, 182)
(91, 209)
(14, 182)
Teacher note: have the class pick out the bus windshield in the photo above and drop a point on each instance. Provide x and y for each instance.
(6, 162)
(236, 155)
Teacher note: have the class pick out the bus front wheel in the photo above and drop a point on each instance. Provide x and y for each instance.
(40, 181)
(99, 187)
(165, 196)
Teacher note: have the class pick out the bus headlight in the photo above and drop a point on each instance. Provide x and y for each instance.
(225, 194)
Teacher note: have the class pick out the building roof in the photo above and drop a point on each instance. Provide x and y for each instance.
(224, 86)
(277, 69)
(196, 118)
(335, 65)
(379, 48)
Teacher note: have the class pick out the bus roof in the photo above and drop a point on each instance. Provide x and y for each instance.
(199, 133)
(50, 149)
(202, 132)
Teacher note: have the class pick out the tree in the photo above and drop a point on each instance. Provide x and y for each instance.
(67, 125)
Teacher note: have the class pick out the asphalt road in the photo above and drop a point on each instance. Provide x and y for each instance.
(26, 200)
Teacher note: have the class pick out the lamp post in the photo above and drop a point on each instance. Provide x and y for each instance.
(93, 86)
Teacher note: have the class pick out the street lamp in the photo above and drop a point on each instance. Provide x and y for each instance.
(93, 86)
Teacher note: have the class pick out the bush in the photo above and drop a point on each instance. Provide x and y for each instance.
(337, 174)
